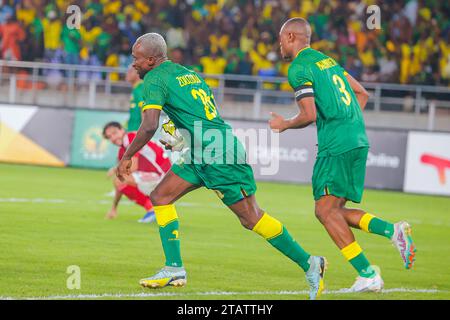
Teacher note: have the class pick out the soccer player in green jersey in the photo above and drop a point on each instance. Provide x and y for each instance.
(329, 96)
(136, 99)
(184, 96)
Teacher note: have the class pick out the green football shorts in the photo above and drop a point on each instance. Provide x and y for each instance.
(341, 176)
(231, 182)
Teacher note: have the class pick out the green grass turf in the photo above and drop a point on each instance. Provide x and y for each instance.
(40, 239)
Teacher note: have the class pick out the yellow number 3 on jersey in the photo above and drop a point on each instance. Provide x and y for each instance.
(208, 102)
(341, 84)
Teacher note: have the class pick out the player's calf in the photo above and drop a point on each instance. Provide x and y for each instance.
(278, 236)
(372, 224)
(252, 217)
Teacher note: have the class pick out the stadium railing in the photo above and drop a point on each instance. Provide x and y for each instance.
(240, 96)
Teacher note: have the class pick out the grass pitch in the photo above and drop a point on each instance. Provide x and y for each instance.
(52, 218)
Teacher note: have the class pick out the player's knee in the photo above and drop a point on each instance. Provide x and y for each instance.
(326, 213)
(158, 198)
(117, 183)
(322, 213)
(247, 224)
(251, 218)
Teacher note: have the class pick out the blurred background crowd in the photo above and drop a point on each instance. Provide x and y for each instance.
(236, 36)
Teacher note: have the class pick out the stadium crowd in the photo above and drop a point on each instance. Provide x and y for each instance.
(236, 36)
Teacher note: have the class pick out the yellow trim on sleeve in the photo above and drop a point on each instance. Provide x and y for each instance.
(151, 106)
(268, 227)
(165, 214)
(351, 251)
(309, 83)
(345, 73)
(364, 222)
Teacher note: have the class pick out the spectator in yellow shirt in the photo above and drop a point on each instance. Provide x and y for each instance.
(367, 55)
(111, 7)
(89, 33)
(444, 61)
(247, 42)
(25, 12)
(405, 63)
(113, 61)
(219, 41)
(213, 65)
(52, 27)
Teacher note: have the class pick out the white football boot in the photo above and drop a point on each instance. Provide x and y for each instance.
(374, 284)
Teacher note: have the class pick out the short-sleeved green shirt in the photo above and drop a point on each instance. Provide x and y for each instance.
(71, 40)
(188, 101)
(340, 124)
(136, 103)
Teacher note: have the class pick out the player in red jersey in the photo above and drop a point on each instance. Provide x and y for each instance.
(149, 166)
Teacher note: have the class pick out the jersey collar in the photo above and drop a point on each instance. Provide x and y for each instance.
(137, 83)
(307, 47)
(164, 62)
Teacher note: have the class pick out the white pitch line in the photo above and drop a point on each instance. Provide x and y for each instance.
(102, 202)
(209, 293)
(180, 204)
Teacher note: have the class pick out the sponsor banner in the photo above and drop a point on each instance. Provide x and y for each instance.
(290, 156)
(57, 137)
(428, 163)
(89, 148)
(386, 159)
(286, 157)
(33, 135)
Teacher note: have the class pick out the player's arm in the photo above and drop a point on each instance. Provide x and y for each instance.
(305, 116)
(112, 214)
(117, 197)
(361, 94)
(134, 163)
(149, 125)
(301, 80)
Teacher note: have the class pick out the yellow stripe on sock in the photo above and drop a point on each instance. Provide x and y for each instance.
(365, 220)
(165, 214)
(268, 227)
(351, 251)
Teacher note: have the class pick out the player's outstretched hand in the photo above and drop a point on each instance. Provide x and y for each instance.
(277, 123)
(166, 145)
(111, 172)
(112, 214)
(123, 169)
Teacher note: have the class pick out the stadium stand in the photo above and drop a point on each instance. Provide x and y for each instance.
(404, 64)
(236, 36)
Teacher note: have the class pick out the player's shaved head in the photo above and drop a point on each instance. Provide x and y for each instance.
(295, 34)
(298, 26)
(152, 45)
(149, 51)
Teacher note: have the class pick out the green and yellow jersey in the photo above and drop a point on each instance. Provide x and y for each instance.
(340, 124)
(136, 103)
(188, 101)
